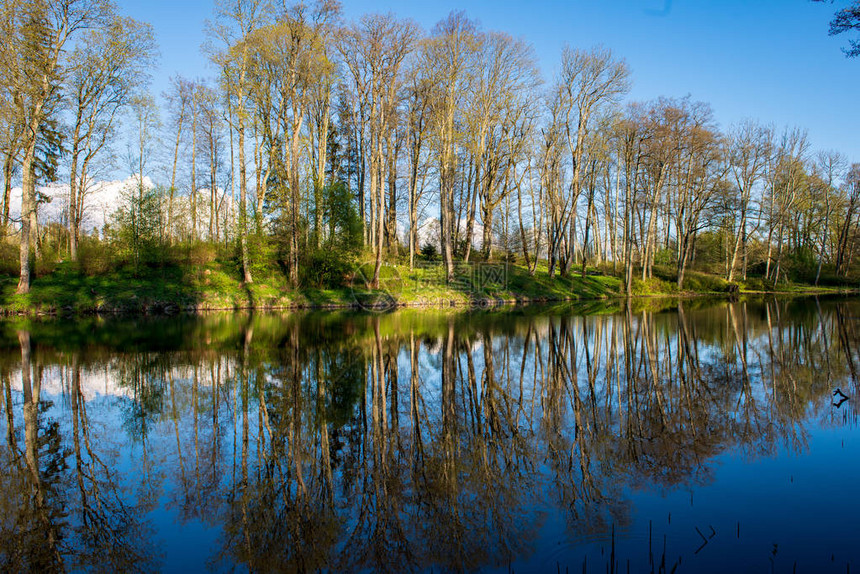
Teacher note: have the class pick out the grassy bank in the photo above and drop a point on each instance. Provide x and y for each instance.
(217, 285)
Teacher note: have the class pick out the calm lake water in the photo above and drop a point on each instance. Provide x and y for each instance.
(704, 436)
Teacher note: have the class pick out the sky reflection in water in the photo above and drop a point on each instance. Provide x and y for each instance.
(701, 437)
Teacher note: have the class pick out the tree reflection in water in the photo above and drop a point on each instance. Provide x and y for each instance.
(391, 442)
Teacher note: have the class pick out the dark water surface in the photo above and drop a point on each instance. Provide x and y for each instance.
(702, 437)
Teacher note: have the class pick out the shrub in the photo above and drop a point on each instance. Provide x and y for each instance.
(47, 261)
(325, 268)
(136, 227)
(9, 258)
(429, 252)
(801, 264)
(758, 284)
(703, 283)
(262, 252)
(95, 257)
(652, 286)
(197, 253)
(665, 257)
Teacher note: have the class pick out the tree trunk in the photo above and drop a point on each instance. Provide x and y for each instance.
(194, 165)
(391, 224)
(173, 174)
(243, 196)
(27, 206)
(73, 202)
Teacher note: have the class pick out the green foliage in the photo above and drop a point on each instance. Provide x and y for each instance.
(136, 227)
(47, 262)
(325, 268)
(341, 220)
(665, 256)
(346, 373)
(801, 264)
(9, 258)
(194, 254)
(95, 257)
(652, 286)
(704, 283)
(429, 252)
(262, 251)
(711, 249)
(694, 281)
(757, 284)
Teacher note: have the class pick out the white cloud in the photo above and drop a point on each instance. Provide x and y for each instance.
(101, 200)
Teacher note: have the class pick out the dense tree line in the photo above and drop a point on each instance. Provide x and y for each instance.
(320, 140)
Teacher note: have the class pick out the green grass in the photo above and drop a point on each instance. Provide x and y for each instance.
(217, 284)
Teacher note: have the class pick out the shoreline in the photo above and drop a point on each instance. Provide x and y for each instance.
(215, 286)
(134, 307)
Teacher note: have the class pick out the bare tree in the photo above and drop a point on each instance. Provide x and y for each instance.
(749, 146)
(211, 128)
(108, 65)
(831, 164)
(448, 62)
(235, 22)
(589, 80)
(374, 50)
(178, 100)
(289, 61)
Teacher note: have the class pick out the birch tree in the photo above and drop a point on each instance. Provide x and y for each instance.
(589, 80)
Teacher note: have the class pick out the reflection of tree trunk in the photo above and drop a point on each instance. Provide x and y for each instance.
(823, 330)
(391, 377)
(245, 391)
(295, 436)
(845, 343)
(414, 382)
(76, 429)
(195, 408)
(31, 451)
(10, 417)
(175, 417)
(581, 431)
(449, 409)
(654, 387)
(214, 379)
(31, 412)
(634, 422)
(746, 395)
(323, 426)
(489, 383)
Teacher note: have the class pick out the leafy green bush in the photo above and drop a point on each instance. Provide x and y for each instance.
(652, 286)
(195, 253)
(136, 227)
(47, 261)
(95, 257)
(801, 264)
(665, 257)
(9, 258)
(429, 252)
(341, 218)
(325, 269)
(703, 283)
(758, 284)
(262, 251)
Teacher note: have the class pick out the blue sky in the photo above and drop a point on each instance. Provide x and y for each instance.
(766, 59)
